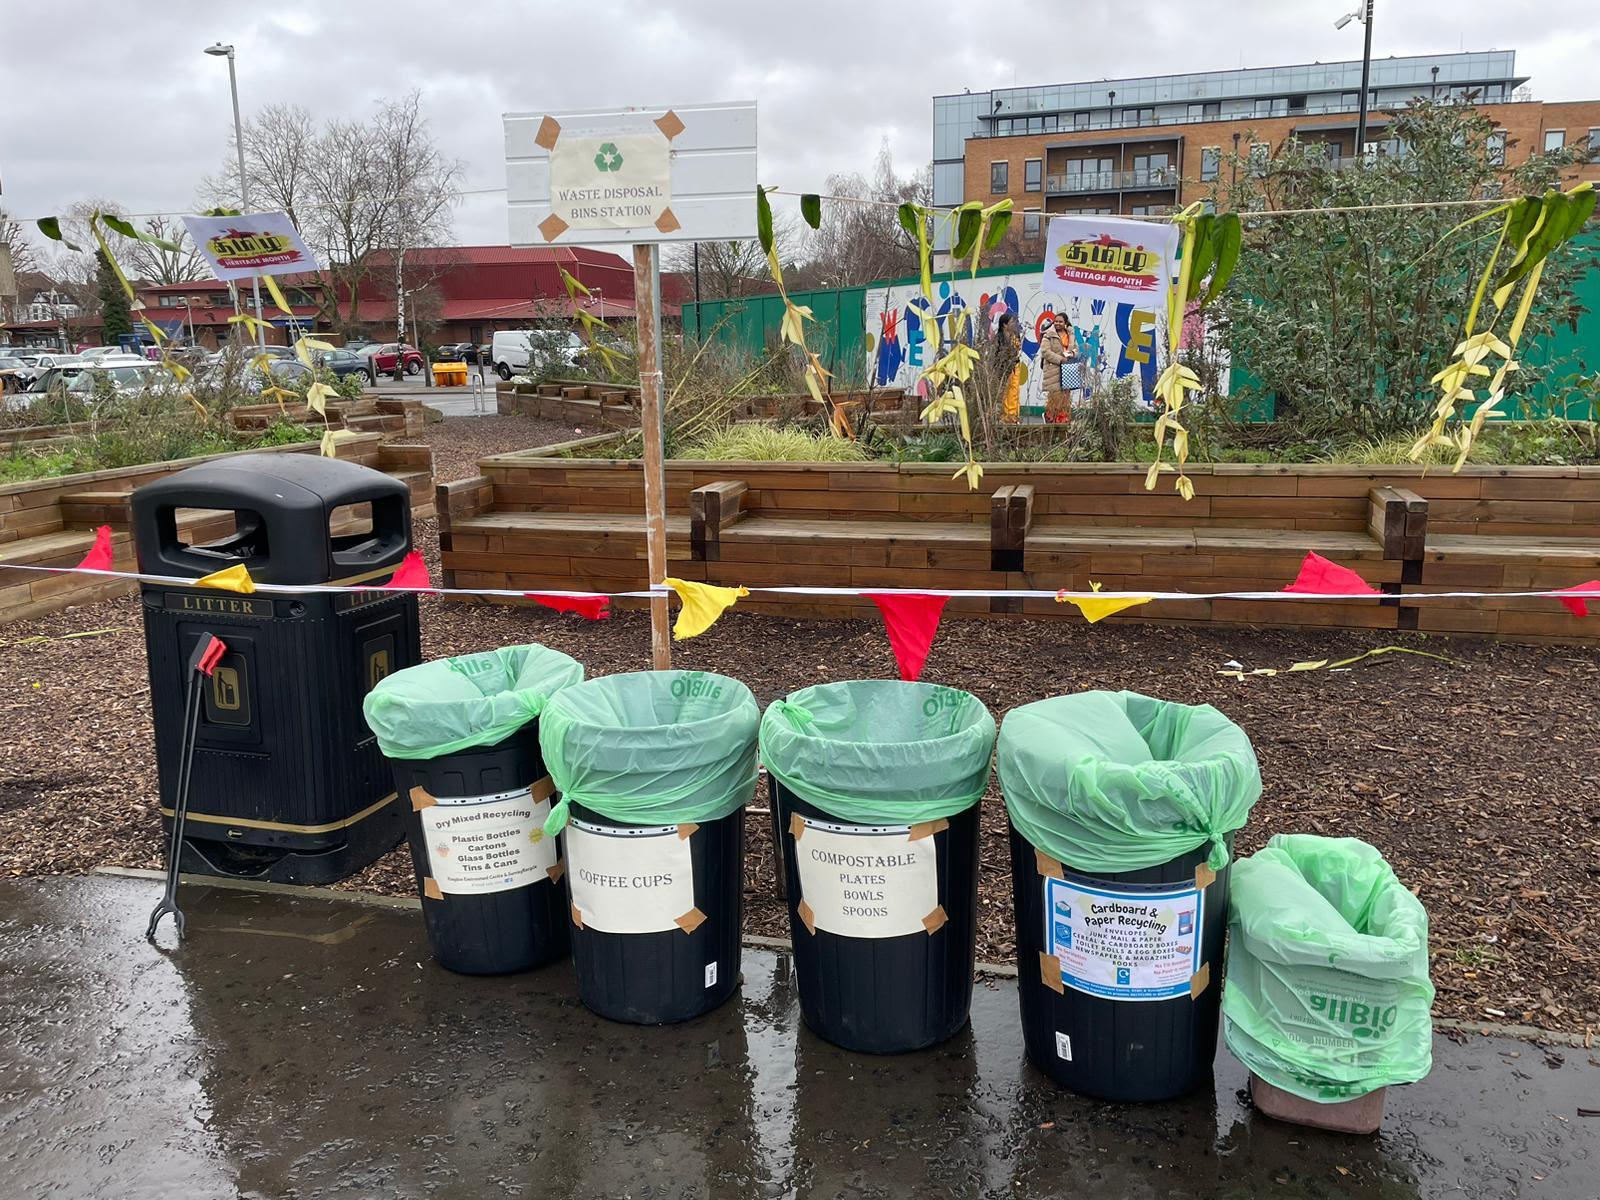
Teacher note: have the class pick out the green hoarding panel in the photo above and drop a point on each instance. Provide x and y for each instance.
(750, 325)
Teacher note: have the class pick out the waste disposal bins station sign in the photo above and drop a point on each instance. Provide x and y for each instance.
(643, 176)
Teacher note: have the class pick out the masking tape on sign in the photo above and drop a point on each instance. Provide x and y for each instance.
(1050, 973)
(1046, 865)
(928, 829)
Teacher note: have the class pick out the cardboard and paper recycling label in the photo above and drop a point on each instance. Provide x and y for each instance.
(1124, 944)
(627, 880)
(493, 843)
(866, 881)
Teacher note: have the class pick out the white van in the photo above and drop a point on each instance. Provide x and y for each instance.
(509, 351)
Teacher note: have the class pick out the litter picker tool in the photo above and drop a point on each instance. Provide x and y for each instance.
(208, 651)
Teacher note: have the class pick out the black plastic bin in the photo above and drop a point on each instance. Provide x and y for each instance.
(893, 994)
(489, 933)
(669, 975)
(462, 739)
(1111, 1048)
(1123, 810)
(654, 769)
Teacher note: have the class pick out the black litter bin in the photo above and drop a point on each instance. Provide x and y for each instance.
(876, 787)
(288, 783)
(1122, 813)
(462, 736)
(654, 769)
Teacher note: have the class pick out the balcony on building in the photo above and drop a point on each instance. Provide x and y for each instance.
(1113, 165)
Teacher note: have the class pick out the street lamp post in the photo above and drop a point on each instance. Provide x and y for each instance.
(221, 51)
(1364, 15)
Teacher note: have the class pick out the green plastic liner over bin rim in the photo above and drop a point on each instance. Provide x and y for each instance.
(454, 704)
(1108, 782)
(651, 747)
(880, 751)
(1328, 995)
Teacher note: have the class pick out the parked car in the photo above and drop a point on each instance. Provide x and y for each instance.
(383, 357)
(456, 352)
(93, 352)
(360, 346)
(511, 349)
(12, 371)
(342, 362)
(79, 378)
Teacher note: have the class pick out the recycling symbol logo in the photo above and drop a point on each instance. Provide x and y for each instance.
(608, 158)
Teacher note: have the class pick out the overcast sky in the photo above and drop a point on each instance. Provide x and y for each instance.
(128, 108)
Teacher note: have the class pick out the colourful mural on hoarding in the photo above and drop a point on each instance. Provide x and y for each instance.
(1114, 340)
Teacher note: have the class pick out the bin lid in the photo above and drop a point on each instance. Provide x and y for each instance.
(651, 747)
(264, 482)
(880, 750)
(454, 704)
(1116, 781)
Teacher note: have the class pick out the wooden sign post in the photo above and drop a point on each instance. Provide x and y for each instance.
(647, 309)
(638, 176)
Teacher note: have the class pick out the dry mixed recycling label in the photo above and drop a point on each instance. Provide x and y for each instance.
(631, 880)
(866, 881)
(1124, 945)
(481, 844)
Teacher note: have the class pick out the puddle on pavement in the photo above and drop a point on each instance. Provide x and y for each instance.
(303, 1047)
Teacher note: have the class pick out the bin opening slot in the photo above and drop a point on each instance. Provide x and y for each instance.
(368, 531)
(221, 535)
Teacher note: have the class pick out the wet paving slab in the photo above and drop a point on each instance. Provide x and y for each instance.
(303, 1047)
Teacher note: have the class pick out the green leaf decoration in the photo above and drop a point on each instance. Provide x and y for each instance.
(998, 224)
(126, 229)
(1205, 252)
(763, 219)
(51, 228)
(1227, 239)
(968, 223)
(811, 209)
(910, 221)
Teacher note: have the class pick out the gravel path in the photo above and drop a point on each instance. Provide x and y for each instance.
(1477, 778)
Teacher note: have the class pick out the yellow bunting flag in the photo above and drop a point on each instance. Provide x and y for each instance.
(1095, 610)
(702, 603)
(234, 579)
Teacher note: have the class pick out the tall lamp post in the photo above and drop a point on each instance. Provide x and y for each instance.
(1364, 15)
(220, 51)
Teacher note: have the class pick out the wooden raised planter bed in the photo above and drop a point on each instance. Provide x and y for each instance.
(536, 521)
(51, 522)
(616, 405)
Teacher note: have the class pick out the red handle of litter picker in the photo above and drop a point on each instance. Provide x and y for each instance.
(207, 655)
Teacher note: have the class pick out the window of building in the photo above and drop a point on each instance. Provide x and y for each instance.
(1263, 108)
(1210, 162)
(1150, 168)
(1350, 100)
(999, 177)
(1554, 139)
(1494, 148)
(1035, 124)
(1205, 112)
(1033, 175)
(1080, 120)
(1032, 223)
(1594, 141)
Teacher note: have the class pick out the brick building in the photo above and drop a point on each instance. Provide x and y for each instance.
(1144, 146)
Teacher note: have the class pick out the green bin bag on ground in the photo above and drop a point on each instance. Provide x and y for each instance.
(453, 704)
(651, 747)
(876, 750)
(1108, 782)
(1328, 995)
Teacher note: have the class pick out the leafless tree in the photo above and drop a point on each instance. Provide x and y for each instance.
(737, 268)
(861, 238)
(17, 258)
(281, 143)
(155, 264)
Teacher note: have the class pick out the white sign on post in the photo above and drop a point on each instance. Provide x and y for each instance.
(635, 175)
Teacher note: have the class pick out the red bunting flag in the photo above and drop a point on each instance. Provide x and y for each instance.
(412, 573)
(1576, 606)
(911, 621)
(1321, 577)
(595, 608)
(99, 557)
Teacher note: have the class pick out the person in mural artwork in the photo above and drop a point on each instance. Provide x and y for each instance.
(1059, 352)
(1008, 367)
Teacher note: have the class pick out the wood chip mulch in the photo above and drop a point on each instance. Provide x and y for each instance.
(1477, 778)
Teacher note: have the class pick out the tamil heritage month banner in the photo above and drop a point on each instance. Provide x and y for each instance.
(253, 244)
(1111, 260)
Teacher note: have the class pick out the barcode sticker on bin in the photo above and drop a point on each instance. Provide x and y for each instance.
(711, 974)
(1063, 1047)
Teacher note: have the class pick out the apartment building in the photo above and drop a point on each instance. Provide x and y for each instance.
(1144, 146)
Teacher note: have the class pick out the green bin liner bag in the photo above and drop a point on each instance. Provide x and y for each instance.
(1328, 995)
(651, 747)
(1114, 781)
(872, 751)
(454, 704)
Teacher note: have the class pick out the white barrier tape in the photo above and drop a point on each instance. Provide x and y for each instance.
(1574, 593)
